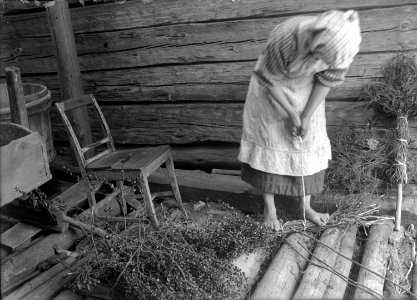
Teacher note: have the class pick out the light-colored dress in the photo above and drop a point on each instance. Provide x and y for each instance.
(266, 143)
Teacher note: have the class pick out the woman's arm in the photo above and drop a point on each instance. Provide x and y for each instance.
(317, 96)
(279, 97)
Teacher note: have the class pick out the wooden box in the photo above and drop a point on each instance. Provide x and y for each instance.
(23, 161)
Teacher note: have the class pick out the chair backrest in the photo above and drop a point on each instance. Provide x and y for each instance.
(79, 151)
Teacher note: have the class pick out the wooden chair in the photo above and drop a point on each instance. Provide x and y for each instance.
(118, 165)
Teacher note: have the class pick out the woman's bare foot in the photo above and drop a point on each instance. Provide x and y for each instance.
(271, 220)
(315, 217)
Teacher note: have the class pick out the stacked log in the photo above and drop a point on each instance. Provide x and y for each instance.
(374, 258)
(316, 277)
(337, 286)
(285, 270)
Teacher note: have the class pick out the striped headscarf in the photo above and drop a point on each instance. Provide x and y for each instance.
(338, 37)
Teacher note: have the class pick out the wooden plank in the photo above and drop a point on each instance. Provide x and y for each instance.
(18, 235)
(78, 102)
(17, 103)
(67, 295)
(23, 159)
(133, 14)
(192, 43)
(36, 282)
(27, 261)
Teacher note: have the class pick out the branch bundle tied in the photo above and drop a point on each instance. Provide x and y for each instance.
(395, 94)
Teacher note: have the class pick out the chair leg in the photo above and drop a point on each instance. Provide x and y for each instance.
(122, 197)
(169, 164)
(89, 190)
(150, 209)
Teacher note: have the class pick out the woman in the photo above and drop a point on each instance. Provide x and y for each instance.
(284, 141)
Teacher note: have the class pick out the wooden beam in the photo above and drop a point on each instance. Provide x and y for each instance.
(138, 14)
(194, 122)
(60, 26)
(18, 111)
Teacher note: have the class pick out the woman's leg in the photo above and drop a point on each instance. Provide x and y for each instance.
(270, 212)
(310, 214)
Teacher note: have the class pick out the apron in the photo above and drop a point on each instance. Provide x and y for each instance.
(267, 144)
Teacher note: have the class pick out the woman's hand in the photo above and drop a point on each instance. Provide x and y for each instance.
(295, 123)
(305, 125)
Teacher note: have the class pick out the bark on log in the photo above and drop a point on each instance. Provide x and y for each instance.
(314, 282)
(337, 286)
(374, 258)
(250, 265)
(33, 284)
(285, 270)
(27, 261)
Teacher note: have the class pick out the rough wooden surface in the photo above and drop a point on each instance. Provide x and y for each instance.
(285, 270)
(23, 157)
(41, 279)
(63, 44)
(27, 261)
(337, 286)
(18, 235)
(188, 123)
(315, 278)
(375, 258)
(142, 56)
(17, 102)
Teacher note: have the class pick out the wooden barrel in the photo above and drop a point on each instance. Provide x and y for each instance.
(38, 102)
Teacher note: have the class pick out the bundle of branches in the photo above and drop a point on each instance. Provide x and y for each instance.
(360, 159)
(396, 94)
(177, 261)
(356, 208)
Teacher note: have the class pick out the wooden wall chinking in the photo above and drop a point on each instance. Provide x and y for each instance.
(177, 71)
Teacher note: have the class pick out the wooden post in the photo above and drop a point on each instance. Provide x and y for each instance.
(63, 41)
(17, 101)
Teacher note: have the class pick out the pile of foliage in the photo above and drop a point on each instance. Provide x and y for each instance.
(176, 261)
(361, 159)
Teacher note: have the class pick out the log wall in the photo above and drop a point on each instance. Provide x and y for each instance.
(177, 71)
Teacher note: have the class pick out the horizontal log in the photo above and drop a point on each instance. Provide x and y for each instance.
(134, 14)
(375, 257)
(194, 43)
(285, 270)
(337, 286)
(197, 122)
(315, 278)
(204, 90)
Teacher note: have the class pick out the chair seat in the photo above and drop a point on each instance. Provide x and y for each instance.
(128, 160)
